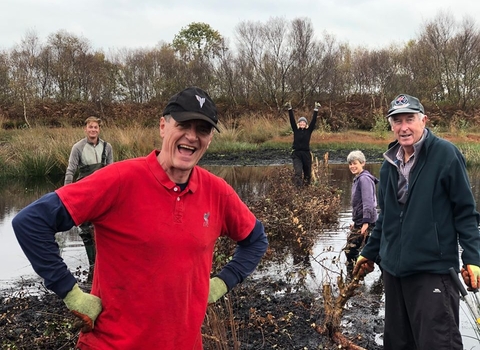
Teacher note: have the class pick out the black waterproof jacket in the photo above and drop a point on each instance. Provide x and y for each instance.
(301, 137)
(439, 213)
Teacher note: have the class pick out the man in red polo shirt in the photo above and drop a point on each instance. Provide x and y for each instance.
(156, 220)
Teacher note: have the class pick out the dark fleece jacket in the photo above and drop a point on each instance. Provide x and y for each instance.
(439, 213)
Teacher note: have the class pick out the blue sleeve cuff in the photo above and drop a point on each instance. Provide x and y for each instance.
(247, 256)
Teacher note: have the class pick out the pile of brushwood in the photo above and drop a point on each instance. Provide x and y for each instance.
(264, 312)
(283, 313)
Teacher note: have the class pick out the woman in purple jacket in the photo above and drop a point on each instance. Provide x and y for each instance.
(364, 207)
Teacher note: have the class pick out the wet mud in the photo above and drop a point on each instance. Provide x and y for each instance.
(280, 156)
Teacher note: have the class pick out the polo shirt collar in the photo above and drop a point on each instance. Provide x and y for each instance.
(163, 178)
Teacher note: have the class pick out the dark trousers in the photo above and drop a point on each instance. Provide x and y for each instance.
(421, 313)
(88, 238)
(86, 233)
(302, 165)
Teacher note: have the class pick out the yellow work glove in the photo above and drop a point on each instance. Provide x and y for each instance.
(83, 305)
(471, 276)
(317, 105)
(218, 289)
(363, 266)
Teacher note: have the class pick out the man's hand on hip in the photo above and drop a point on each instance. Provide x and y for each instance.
(218, 289)
(83, 305)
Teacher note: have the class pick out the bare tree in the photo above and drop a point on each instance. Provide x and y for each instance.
(148, 75)
(68, 54)
(435, 50)
(136, 69)
(271, 62)
(372, 72)
(229, 81)
(308, 68)
(4, 77)
(362, 77)
(338, 82)
(23, 63)
(264, 49)
(466, 65)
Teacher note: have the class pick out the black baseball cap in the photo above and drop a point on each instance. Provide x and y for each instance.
(190, 104)
(405, 104)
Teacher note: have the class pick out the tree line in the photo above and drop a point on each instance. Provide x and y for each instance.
(266, 65)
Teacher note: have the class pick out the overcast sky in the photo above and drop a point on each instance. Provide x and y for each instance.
(145, 23)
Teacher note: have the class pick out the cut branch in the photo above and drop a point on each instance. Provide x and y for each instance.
(334, 310)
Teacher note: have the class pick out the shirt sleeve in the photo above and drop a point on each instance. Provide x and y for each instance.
(246, 257)
(367, 189)
(109, 154)
(35, 227)
(73, 162)
(291, 117)
(372, 248)
(313, 121)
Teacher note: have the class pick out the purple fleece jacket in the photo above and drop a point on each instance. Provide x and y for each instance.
(364, 199)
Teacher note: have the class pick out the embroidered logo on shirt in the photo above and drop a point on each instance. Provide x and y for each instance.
(205, 219)
(436, 290)
(201, 100)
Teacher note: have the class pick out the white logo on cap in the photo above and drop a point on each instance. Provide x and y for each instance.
(201, 100)
(401, 106)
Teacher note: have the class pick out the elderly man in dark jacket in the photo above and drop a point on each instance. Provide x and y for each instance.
(427, 210)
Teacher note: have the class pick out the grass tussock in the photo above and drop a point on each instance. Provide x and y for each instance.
(258, 128)
(42, 151)
(132, 142)
(36, 152)
(253, 131)
(471, 152)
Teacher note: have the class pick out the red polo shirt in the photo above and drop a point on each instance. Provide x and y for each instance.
(154, 250)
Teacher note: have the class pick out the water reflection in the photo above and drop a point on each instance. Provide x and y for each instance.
(17, 193)
(247, 181)
(325, 254)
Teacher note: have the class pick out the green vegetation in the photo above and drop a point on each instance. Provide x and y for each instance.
(42, 151)
(471, 151)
